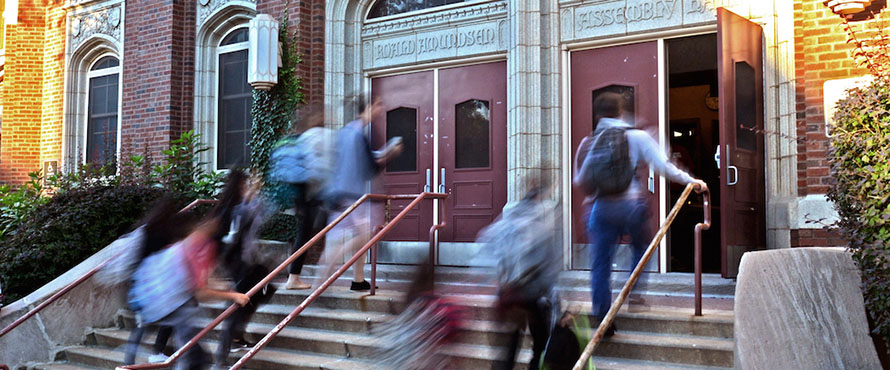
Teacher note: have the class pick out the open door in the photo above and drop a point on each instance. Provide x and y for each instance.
(742, 185)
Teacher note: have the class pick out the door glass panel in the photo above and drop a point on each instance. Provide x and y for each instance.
(746, 107)
(627, 92)
(471, 134)
(402, 122)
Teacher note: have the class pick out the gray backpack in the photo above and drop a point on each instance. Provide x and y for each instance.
(607, 168)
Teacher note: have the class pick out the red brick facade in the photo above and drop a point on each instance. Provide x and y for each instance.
(158, 76)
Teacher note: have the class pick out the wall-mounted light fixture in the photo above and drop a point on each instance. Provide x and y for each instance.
(262, 57)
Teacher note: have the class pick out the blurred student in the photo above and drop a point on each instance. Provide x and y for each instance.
(528, 256)
(241, 209)
(302, 163)
(617, 198)
(355, 167)
(168, 283)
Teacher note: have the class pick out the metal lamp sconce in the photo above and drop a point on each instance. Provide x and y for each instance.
(263, 56)
(855, 10)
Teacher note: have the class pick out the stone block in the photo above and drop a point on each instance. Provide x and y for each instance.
(801, 309)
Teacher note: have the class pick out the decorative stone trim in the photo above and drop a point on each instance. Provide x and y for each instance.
(106, 21)
(206, 8)
(451, 17)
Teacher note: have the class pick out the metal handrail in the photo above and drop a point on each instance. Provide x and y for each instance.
(318, 291)
(704, 225)
(613, 311)
(234, 306)
(83, 278)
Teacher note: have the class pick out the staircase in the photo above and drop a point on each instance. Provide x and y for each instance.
(333, 332)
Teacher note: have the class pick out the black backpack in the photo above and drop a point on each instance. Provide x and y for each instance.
(607, 169)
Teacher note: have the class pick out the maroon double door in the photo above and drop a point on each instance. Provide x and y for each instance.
(453, 124)
(633, 70)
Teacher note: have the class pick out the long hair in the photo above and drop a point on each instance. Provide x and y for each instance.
(232, 195)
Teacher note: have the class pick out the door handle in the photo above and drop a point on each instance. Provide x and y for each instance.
(442, 181)
(731, 180)
(429, 178)
(717, 156)
(651, 180)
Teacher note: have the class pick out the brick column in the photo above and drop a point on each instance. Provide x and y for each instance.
(158, 73)
(23, 93)
(306, 18)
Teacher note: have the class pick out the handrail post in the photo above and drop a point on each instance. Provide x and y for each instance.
(625, 291)
(374, 262)
(434, 242)
(704, 225)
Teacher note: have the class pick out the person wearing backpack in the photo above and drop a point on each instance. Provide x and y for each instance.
(605, 170)
(301, 167)
(528, 258)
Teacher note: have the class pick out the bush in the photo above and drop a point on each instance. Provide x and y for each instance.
(17, 202)
(860, 164)
(71, 227)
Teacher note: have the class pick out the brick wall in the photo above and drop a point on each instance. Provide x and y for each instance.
(22, 93)
(158, 73)
(821, 54)
(306, 17)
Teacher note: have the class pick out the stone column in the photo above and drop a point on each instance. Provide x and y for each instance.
(533, 109)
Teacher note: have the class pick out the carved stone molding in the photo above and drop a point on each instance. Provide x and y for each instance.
(105, 21)
(454, 16)
(207, 7)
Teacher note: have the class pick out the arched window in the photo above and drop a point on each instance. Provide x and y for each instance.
(383, 8)
(234, 100)
(103, 110)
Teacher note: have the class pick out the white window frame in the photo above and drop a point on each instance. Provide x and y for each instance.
(86, 104)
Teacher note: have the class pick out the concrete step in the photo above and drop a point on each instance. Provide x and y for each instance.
(62, 366)
(671, 283)
(109, 353)
(657, 320)
(696, 350)
(268, 358)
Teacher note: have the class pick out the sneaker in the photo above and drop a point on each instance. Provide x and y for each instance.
(157, 357)
(241, 345)
(364, 285)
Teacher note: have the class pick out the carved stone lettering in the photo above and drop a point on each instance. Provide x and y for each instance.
(620, 13)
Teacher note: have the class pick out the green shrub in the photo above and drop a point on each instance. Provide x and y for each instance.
(71, 227)
(860, 164)
(17, 202)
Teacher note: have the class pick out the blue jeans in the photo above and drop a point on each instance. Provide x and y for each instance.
(609, 220)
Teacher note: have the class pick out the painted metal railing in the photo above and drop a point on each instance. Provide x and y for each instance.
(417, 198)
(635, 275)
(81, 279)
